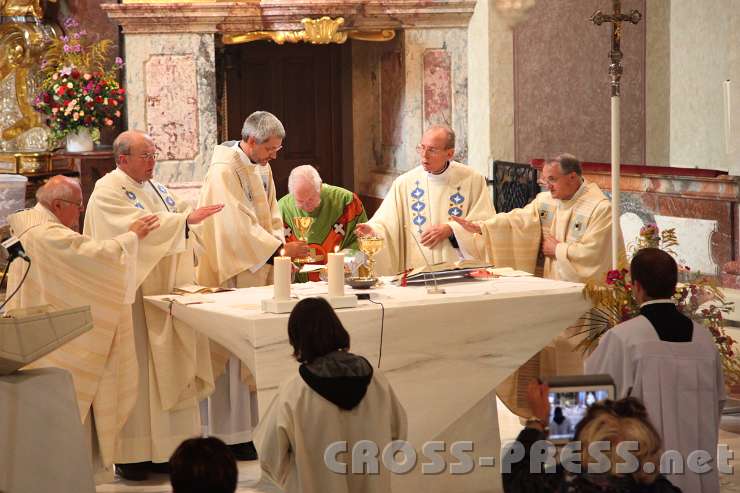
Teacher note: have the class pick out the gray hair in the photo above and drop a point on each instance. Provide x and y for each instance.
(304, 172)
(59, 187)
(261, 125)
(124, 141)
(568, 164)
(450, 143)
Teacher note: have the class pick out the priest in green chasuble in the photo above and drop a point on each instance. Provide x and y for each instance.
(420, 206)
(335, 212)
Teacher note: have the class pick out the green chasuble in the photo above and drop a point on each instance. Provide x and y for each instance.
(334, 222)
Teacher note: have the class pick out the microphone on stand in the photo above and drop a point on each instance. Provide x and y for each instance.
(430, 290)
(13, 249)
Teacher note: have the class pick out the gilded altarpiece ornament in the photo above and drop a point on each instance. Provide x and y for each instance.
(23, 38)
(324, 30)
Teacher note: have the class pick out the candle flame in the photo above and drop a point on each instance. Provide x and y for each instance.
(282, 252)
(336, 249)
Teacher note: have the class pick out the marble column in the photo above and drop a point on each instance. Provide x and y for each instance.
(171, 84)
(491, 87)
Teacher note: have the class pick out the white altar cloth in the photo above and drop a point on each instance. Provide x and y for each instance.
(443, 353)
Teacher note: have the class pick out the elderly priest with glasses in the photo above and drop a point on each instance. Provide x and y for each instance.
(420, 206)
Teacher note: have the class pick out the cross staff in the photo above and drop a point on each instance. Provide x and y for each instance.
(615, 71)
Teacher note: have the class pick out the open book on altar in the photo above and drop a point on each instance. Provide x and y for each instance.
(445, 271)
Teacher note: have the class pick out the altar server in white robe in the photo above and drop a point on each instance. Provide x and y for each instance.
(238, 249)
(421, 204)
(71, 270)
(670, 363)
(336, 396)
(174, 361)
(569, 227)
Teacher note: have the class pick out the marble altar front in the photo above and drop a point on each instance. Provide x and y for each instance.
(443, 354)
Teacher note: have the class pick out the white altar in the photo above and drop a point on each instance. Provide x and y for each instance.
(443, 354)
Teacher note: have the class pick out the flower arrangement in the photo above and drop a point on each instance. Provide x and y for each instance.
(700, 300)
(78, 91)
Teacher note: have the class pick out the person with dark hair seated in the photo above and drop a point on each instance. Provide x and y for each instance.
(612, 422)
(669, 362)
(203, 465)
(336, 396)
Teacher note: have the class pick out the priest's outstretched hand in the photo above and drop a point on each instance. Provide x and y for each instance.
(144, 225)
(434, 235)
(201, 213)
(468, 226)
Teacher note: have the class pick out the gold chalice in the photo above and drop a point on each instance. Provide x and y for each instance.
(302, 225)
(370, 246)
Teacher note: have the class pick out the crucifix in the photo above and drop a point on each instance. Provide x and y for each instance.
(615, 72)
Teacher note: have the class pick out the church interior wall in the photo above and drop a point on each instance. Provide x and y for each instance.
(657, 82)
(702, 57)
(561, 80)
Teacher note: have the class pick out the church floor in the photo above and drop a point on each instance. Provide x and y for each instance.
(249, 472)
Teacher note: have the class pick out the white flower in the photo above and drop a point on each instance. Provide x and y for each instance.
(70, 85)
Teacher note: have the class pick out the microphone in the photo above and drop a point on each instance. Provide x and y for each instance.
(14, 249)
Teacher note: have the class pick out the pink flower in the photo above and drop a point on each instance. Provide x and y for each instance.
(71, 23)
(119, 61)
(67, 48)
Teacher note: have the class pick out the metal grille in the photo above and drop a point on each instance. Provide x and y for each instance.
(514, 185)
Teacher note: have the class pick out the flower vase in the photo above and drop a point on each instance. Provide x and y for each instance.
(80, 141)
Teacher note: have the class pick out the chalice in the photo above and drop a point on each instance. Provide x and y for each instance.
(302, 225)
(370, 246)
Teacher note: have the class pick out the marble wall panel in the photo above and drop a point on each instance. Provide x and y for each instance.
(391, 101)
(561, 80)
(704, 227)
(437, 88)
(172, 105)
(140, 48)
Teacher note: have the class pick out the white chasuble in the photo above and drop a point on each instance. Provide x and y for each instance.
(237, 243)
(71, 270)
(174, 360)
(581, 224)
(680, 383)
(243, 236)
(417, 200)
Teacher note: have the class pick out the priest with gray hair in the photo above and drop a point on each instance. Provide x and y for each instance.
(238, 250)
(71, 270)
(335, 212)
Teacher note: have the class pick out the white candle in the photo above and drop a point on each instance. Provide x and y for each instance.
(281, 275)
(336, 274)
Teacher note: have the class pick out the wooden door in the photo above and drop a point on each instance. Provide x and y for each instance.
(300, 84)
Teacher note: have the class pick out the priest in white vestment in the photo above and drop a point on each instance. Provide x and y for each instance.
(71, 270)
(569, 226)
(238, 249)
(336, 396)
(420, 206)
(175, 369)
(670, 363)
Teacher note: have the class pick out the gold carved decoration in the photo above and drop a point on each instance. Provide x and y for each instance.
(315, 31)
(21, 46)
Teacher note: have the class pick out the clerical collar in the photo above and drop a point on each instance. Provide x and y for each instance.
(661, 300)
(440, 172)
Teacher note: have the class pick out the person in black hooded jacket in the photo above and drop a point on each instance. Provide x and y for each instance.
(307, 435)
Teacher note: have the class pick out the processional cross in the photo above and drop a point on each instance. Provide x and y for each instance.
(615, 71)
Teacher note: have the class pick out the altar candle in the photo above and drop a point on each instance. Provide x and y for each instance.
(282, 267)
(336, 274)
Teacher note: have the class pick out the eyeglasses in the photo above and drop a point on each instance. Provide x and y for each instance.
(79, 205)
(422, 149)
(550, 180)
(145, 156)
(272, 150)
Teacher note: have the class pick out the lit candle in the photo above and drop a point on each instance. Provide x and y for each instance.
(281, 276)
(336, 274)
